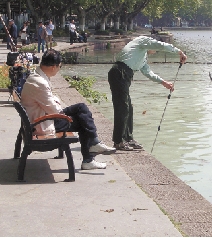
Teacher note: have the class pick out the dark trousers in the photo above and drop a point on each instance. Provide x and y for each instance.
(119, 78)
(83, 123)
(72, 36)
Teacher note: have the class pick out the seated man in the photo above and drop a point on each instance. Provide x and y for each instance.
(79, 37)
(38, 100)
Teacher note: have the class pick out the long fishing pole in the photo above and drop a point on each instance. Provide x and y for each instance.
(210, 76)
(169, 96)
(13, 46)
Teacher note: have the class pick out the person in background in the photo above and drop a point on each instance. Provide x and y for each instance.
(28, 32)
(79, 37)
(13, 31)
(38, 100)
(49, 29)
(133, 57)
(42, 34)
(8, 38)
(72, 31)
(23, 34)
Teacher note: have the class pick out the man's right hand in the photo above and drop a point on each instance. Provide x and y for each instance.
(183, 57)
(168, 85)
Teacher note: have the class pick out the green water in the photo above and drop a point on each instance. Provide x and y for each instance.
(184, 143)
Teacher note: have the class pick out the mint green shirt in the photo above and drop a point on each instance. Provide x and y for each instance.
(134, 55)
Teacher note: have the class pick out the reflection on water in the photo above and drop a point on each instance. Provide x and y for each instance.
(184, 143)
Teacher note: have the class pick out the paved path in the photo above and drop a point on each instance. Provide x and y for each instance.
(109, 202)
(99, 203)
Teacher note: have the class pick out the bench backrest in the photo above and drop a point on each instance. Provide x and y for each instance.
(25, 123)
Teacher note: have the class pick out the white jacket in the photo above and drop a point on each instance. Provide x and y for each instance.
(38, 100)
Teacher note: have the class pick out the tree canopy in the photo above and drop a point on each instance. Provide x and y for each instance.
(196, 11)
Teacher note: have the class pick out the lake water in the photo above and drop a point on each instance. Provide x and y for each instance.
(184, 142)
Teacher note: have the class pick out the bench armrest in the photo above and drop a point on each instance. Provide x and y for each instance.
(51, 117)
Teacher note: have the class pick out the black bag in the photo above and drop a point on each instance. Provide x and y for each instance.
(35, 59)
(11, 58)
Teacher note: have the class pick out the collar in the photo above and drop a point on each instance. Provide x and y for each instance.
(39, 71)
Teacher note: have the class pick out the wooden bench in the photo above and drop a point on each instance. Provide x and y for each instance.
(32, 143)
(17, 98)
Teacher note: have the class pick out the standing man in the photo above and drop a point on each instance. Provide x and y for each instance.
(38, 100)
(13, 33)
(133, 57)
(72, 29)
(42, 34)
(49, 29)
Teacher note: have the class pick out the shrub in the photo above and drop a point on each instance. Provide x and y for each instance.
(32, 48)
(108, 46)
(69, 57)
(29, 48)
(84, 86)
(118, 31)
(4, 76)
(60, 32)
(100, 32)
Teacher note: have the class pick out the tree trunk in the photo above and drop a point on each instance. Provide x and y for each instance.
(116, 22)
(82, 20)
(116, 25)
(102, 27)
(130, 24)
(34, 14)
(8, 10)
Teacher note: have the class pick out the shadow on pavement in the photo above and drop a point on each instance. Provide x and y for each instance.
(37, 171)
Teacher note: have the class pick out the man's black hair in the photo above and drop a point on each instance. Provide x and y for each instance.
(51, 57)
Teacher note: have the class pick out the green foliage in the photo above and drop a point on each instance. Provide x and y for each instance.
(84, 86)
(108, 46)
(4, 76)
(29, 48)
(33, 48)
(100, 32)
(69, 57)
(118, 31)
(59, 32)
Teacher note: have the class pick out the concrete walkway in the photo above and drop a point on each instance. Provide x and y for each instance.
(135, 196)
(99, 203)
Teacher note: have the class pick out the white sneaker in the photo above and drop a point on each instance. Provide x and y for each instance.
(93, 165)
(101, 148)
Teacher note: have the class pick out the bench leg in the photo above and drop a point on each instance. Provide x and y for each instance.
(22, 164)
(60, 154)
(71, 168)
(18, 145)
